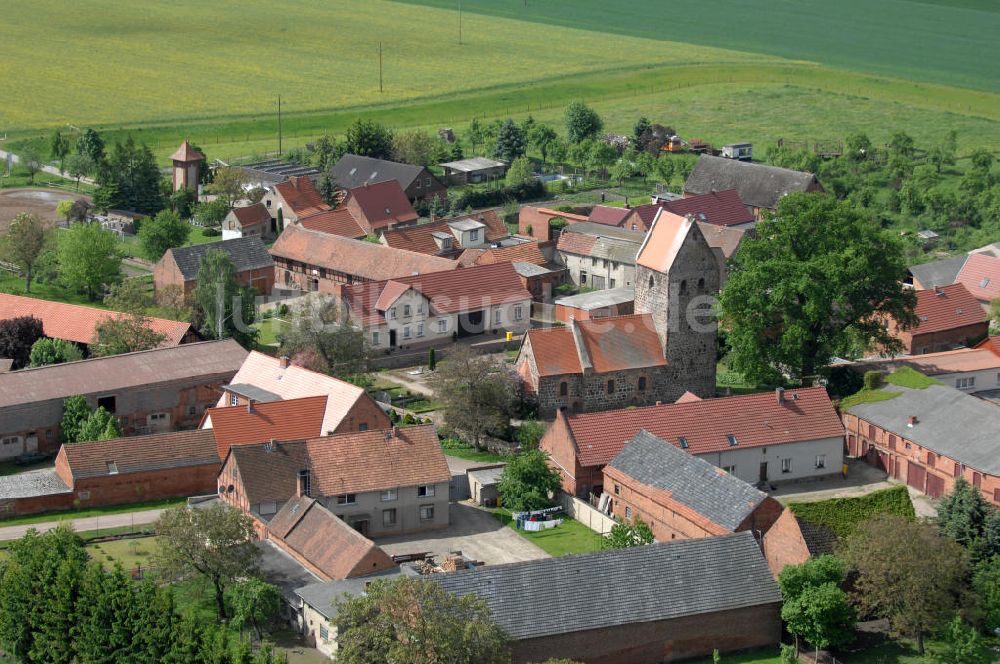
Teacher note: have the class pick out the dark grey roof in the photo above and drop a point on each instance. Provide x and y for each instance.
(758, 185)
(274, 171)
(820, 540)
(323, 596)
(353, 170)
(949, 422)
(253, 392)
(32, 483)
(713, 493)
(283, 571)
(938, 273)
(642, 584)
(598, 299)
(602, 230)
(247, 253)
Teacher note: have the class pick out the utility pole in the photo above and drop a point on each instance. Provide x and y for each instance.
(279, 124)
(380, 67)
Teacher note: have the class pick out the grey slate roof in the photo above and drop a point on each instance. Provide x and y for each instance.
(938, 273)
(323, 596)
(248, 253)
(598, 299)
(819, 539)
(593, 228)
(642, 584)
(758, 185)
(713, 493)
(32, 483)
(487, 476)
(353, 170)
(949, 422)
(530, 269)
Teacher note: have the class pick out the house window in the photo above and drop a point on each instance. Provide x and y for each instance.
(684, 286)
(406, 310)
(958, 469)
(964, 383)
(426, 512)
(583, 277)
(732, 440)
(324, 632)
(233, 399)
(518, 312)
(474, 235)
(628, 512)
(642, 384)
(611, 386)
(427, 182)
(496, 317)
(420, 307)
(996, 495)
(931, 459)
(593, 262)
(417, 184)
(977, 480)
(420, 329)
(391, 313)
(374, 338)
(650, 281)
(389, 495)
(112, 468)
(701, 284)
(346, 499)
(786, 465)
(442, 326)
(363, 426)
(730, 469)
(821, 461)
(83, 495)
(406, 332)
(618, 490)
(11, 440)
(611, 283)
(563, 389)
(305, 482)
(389, 517)
(426, 491)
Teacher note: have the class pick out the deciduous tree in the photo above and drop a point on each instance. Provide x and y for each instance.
(31, 161)
(476, 393)
(17, 336)
(510, 142)
(582, 122)
(53, 351)
(59, 148)
(519, 172)
(528, 482)
(24, 243)
(541, 137)
(91, 145)
(320, 332)
(89, 258)
(369, 139)
(164, 231)
(414, 147)
(228, 308)
(229, 184)
(216, 543)
(99, 425)
(818, 280)
(130, 332)
(628, 535)
(815, 606)
(77, 166)
(254, 603)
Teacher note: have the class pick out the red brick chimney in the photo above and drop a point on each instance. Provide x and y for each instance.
(779, 393)
(911, 421)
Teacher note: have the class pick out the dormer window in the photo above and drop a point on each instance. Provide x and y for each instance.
(732, 440)
(683, 442)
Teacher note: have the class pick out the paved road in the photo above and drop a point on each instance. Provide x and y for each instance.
(51, 170)
(86, 524)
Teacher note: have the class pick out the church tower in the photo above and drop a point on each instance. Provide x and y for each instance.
(676, 282)
(187, 162)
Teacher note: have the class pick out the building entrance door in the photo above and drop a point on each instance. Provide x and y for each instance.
(763, 471)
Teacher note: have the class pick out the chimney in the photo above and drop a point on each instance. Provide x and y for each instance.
(779, 392)
(911, 421)
(283, 361)
(395, 431)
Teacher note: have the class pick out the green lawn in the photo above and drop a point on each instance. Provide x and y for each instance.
(19, 178)
(130, 244)
(764, 656)
(91, 512)
(130, 553)
(269, 329)
(462, 450)
(13, 284)
(570, 536)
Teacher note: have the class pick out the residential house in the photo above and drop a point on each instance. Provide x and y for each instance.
(510, 250)
(448, 236)
(947, 317)
(763, 437)
(292, 199)
(595, 304)
(339, 221)
(978, 271)
(599, 256)
(967, 369)
(382, 483)
(323, 543)
(438, 307)
(254, 266)
(72, 322)
(379, 206)
(473, 170)
(148, 391)
(665, 349)
(682, 496)
(263, 379)
(607, 215)
(929, 437)
(261, 422)
(759, 186)
(310, 260)
(249, 220)
(418, 183)
(936, 273)
(544, 224)
(718, 208)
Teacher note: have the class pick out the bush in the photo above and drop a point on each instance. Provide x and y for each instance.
(873, 380)
(211, 232)
(480, 197)
(842, 515)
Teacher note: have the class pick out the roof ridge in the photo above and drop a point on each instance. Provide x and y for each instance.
(119, 355)
(581, 347)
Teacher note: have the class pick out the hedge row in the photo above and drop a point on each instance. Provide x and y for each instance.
(842, 515)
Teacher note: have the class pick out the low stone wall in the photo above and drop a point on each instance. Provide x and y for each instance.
(585, 514)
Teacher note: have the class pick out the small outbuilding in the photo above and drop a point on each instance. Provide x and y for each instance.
(483, 484)
(473, 171)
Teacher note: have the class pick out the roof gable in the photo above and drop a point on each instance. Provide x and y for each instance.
(301, 195)
(980, 274)
(262, 422)
(340, 221)
(252, 215)
(383, 204)
(186, 152)
(247, 253)
(664, 241)
(719, 208)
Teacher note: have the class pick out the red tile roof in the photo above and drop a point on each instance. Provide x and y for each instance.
(252, 215)
(946, 308)
(301, 195)
(356, 462)
(539, 217)
(360, 259)
(606, 344)
(725, 239)
(755, 420)
(991, 343)
(576, 243)
(274, 420)
(334, 222)
(981, 276)
(186, 152)
(449, 292)
(419, 238)
(335, 549)
(553, 350)
(383, 204)
(138, 454)
(527, 252)
(663, 241)
(78, 323)
(608, 215)
(719, 208)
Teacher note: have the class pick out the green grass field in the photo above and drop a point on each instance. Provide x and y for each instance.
(570, 536)
(720, 70)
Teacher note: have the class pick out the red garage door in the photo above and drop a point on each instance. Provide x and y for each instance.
(915, 475)
(935, 486)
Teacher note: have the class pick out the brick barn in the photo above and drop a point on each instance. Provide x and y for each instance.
(948, 317)
(254, 265)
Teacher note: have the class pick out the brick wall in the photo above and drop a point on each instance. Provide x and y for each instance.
(784, 544)
(146, 486)
(576, 479)
(589, 392)
(364, 411)
(166, 273)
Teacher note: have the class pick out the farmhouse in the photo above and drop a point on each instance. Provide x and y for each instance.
(948, 317)
(250, 220)
(72, 322)
(256, 423)
(760, 187)
(610, 216)
(759, 438)
(148, 391)
(379, 206)
(263, 379)
(380, 483)
(308, 260)
(928, 437)
(966, 369)
(254, 266)
(448, 237)
(417, 182)
(292, 199)
(682, 496)
(340, 221)
(473, 171)
(436, 308)
(598, 256)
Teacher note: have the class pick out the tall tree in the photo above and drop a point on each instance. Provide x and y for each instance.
(59, 148)
(99, 425)
(31, 161)
(528, 482)
(322, 339)
(228, 309)
(89, 258)
(628, 535)
(130, 179)
(582, 122)
(907, 574)
(164, 231)
(477, 396)
(519, 172)
(369, 139)
(17, 336)
(133, 330)
(815, 607)
(414, 147)
(417, 621)
(216, 543)
(510, 142)
(230, 185)
(328, 188)
(641, 132)
(77, 166)
(91, 145)
(255, 603)
(818, 280)
(24, 243)
(541, 137)
(53, 351)
(962, 513)
(76, 411)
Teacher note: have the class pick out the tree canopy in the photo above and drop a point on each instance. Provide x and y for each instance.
(627, 535)
(129, 180)
(369, 139)
(510, 142)
(24, 243)
(477, 393)
(53, 351)
(320, 339)
(164, 231)
(131, 331)
(528, 482)
(17, 336)
(228, 308)
(818, 280)
(89, 258)
(815, 606)
(582, 122)
(230, 185)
